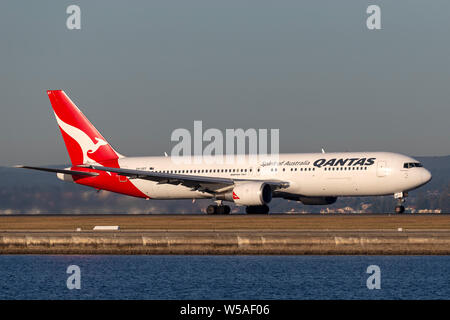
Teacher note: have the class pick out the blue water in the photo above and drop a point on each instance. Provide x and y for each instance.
(224, 277)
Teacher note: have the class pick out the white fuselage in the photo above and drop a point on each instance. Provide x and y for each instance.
(308, 174)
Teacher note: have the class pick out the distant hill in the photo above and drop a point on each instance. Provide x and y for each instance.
(17, 177)
(439, 168)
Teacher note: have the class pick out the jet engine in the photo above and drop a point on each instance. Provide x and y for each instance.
(249, 194)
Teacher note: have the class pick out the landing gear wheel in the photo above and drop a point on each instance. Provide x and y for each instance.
(401, 198)
(399, 209)
(220, 210)
(212, 209)
(264, 209)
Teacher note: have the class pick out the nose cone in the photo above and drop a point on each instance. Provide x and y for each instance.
(426, 176)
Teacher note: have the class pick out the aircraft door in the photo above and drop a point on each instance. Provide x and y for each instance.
(381, 168)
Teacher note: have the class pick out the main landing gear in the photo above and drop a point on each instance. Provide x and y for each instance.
(218, 209)
(400, 197)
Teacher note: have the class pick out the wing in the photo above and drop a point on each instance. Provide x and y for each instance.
(71, 172)
(200, 183)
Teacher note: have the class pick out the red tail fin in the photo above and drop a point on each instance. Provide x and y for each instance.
(83, 142)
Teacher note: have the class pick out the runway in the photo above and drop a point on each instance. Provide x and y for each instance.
(275, 222)
(235, 234)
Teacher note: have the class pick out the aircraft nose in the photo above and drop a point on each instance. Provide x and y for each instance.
(426, 175)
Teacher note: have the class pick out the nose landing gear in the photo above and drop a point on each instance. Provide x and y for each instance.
(400, 197)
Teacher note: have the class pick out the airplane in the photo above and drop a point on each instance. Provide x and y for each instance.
(311, 178)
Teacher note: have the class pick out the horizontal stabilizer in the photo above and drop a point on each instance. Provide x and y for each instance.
(65, 171)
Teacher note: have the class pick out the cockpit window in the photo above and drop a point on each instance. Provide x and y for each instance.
(408, 165)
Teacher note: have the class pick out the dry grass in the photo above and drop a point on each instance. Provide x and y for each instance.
(236, 222)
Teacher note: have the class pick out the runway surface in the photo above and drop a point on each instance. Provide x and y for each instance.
(381, 222)
(235, 234)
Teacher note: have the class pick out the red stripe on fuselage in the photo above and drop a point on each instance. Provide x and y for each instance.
(109, 181)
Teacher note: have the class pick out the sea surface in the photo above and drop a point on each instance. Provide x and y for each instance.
(223, 277)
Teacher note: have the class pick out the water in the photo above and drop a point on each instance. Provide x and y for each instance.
(224, 277)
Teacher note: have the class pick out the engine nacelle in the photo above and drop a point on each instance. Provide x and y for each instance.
(249, 194)
(318, 200)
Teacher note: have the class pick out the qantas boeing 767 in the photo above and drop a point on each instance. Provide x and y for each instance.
(312, 178)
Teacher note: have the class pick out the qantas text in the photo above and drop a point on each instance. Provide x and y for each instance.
(344, 162)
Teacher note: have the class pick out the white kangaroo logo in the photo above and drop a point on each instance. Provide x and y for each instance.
(86, 144)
